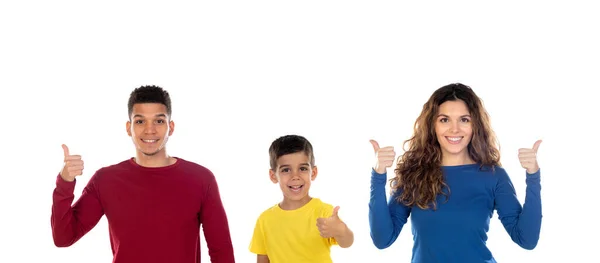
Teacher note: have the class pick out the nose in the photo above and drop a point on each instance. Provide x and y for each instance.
(454, 127)
(295, 175)
(149, 128)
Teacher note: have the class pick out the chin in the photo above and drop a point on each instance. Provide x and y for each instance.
(455, 150)
(149, 153)
(294, 197)
(459, 153)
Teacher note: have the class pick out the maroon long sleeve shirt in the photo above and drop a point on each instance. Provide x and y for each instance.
(154, 214)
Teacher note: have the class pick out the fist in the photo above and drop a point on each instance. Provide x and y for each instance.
(330, 226)
(384, 157)
(528, 158)
(73, 166)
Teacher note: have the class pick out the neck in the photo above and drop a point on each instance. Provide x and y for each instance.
(288, 204)
(456, 159)
(159, 159)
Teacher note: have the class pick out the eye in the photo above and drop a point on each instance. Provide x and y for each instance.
(303, 168)
(465, 119)
(444, 120)
(139, 122)
(160, 121)
(285, 170)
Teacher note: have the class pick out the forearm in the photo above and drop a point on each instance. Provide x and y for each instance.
(220, 247)
(345, 238)
(218, 239)
(530, 220)
(262, 259)
(523, 223)
(380, 219)
(61, 220)
(71, 222)
(216, 228)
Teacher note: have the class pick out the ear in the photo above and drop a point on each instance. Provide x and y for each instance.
(128, 128)
(314, 173)
(171, 127)
(273, 176)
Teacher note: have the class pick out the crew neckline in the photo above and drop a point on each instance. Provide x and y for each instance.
(162, 168)
(460, 166)
(305, 206)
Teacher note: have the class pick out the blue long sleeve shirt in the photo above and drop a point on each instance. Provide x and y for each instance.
(457, 230)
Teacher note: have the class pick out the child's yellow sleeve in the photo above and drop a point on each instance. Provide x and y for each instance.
(257, 244)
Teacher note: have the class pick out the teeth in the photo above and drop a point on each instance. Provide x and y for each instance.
(454, 139)
(149, 140)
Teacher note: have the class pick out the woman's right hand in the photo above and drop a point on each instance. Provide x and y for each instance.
(384, 157)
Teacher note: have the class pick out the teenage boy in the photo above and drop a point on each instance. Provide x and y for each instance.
(154, 203)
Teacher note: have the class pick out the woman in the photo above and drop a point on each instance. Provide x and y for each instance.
(449, 181)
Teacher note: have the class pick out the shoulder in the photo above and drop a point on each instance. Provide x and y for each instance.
(320, 203)
(113, 169)
(117, 166)
(195, 170)
(497, 174)
(499, 171)
(268, 213)
(193, 166)
(322, 209)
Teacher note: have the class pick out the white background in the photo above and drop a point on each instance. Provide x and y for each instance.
(242, 73)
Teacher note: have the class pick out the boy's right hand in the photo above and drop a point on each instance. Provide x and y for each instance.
(384, 157)
(73, 166)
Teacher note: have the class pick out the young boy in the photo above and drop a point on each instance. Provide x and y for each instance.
(300, 228)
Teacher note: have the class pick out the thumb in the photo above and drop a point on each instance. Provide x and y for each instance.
(335, 211)
(536, 145)
(65, 150)
(375, 145)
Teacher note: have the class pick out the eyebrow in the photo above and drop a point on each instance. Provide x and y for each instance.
(286, 165)
(157, 115)
(462, 116)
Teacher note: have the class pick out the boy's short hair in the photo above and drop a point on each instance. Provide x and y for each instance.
(149, 94)
(289, 144)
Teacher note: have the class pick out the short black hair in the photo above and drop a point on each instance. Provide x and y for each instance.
(149, 94)
(289, 144)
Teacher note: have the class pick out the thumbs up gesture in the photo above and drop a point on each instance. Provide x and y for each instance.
(528, 158)
(73, 165)
(384, 157)
(331, 226)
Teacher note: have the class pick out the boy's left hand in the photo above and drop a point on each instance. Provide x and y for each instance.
(331, 226)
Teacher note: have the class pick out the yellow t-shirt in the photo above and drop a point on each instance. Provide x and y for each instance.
(292, 236)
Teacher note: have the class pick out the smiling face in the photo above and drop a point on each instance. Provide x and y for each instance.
(453, 129)
(150, 128)
(294, 174)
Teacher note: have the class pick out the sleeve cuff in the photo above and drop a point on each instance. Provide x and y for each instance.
(65, 186)
(377, 178)
(534, 177)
